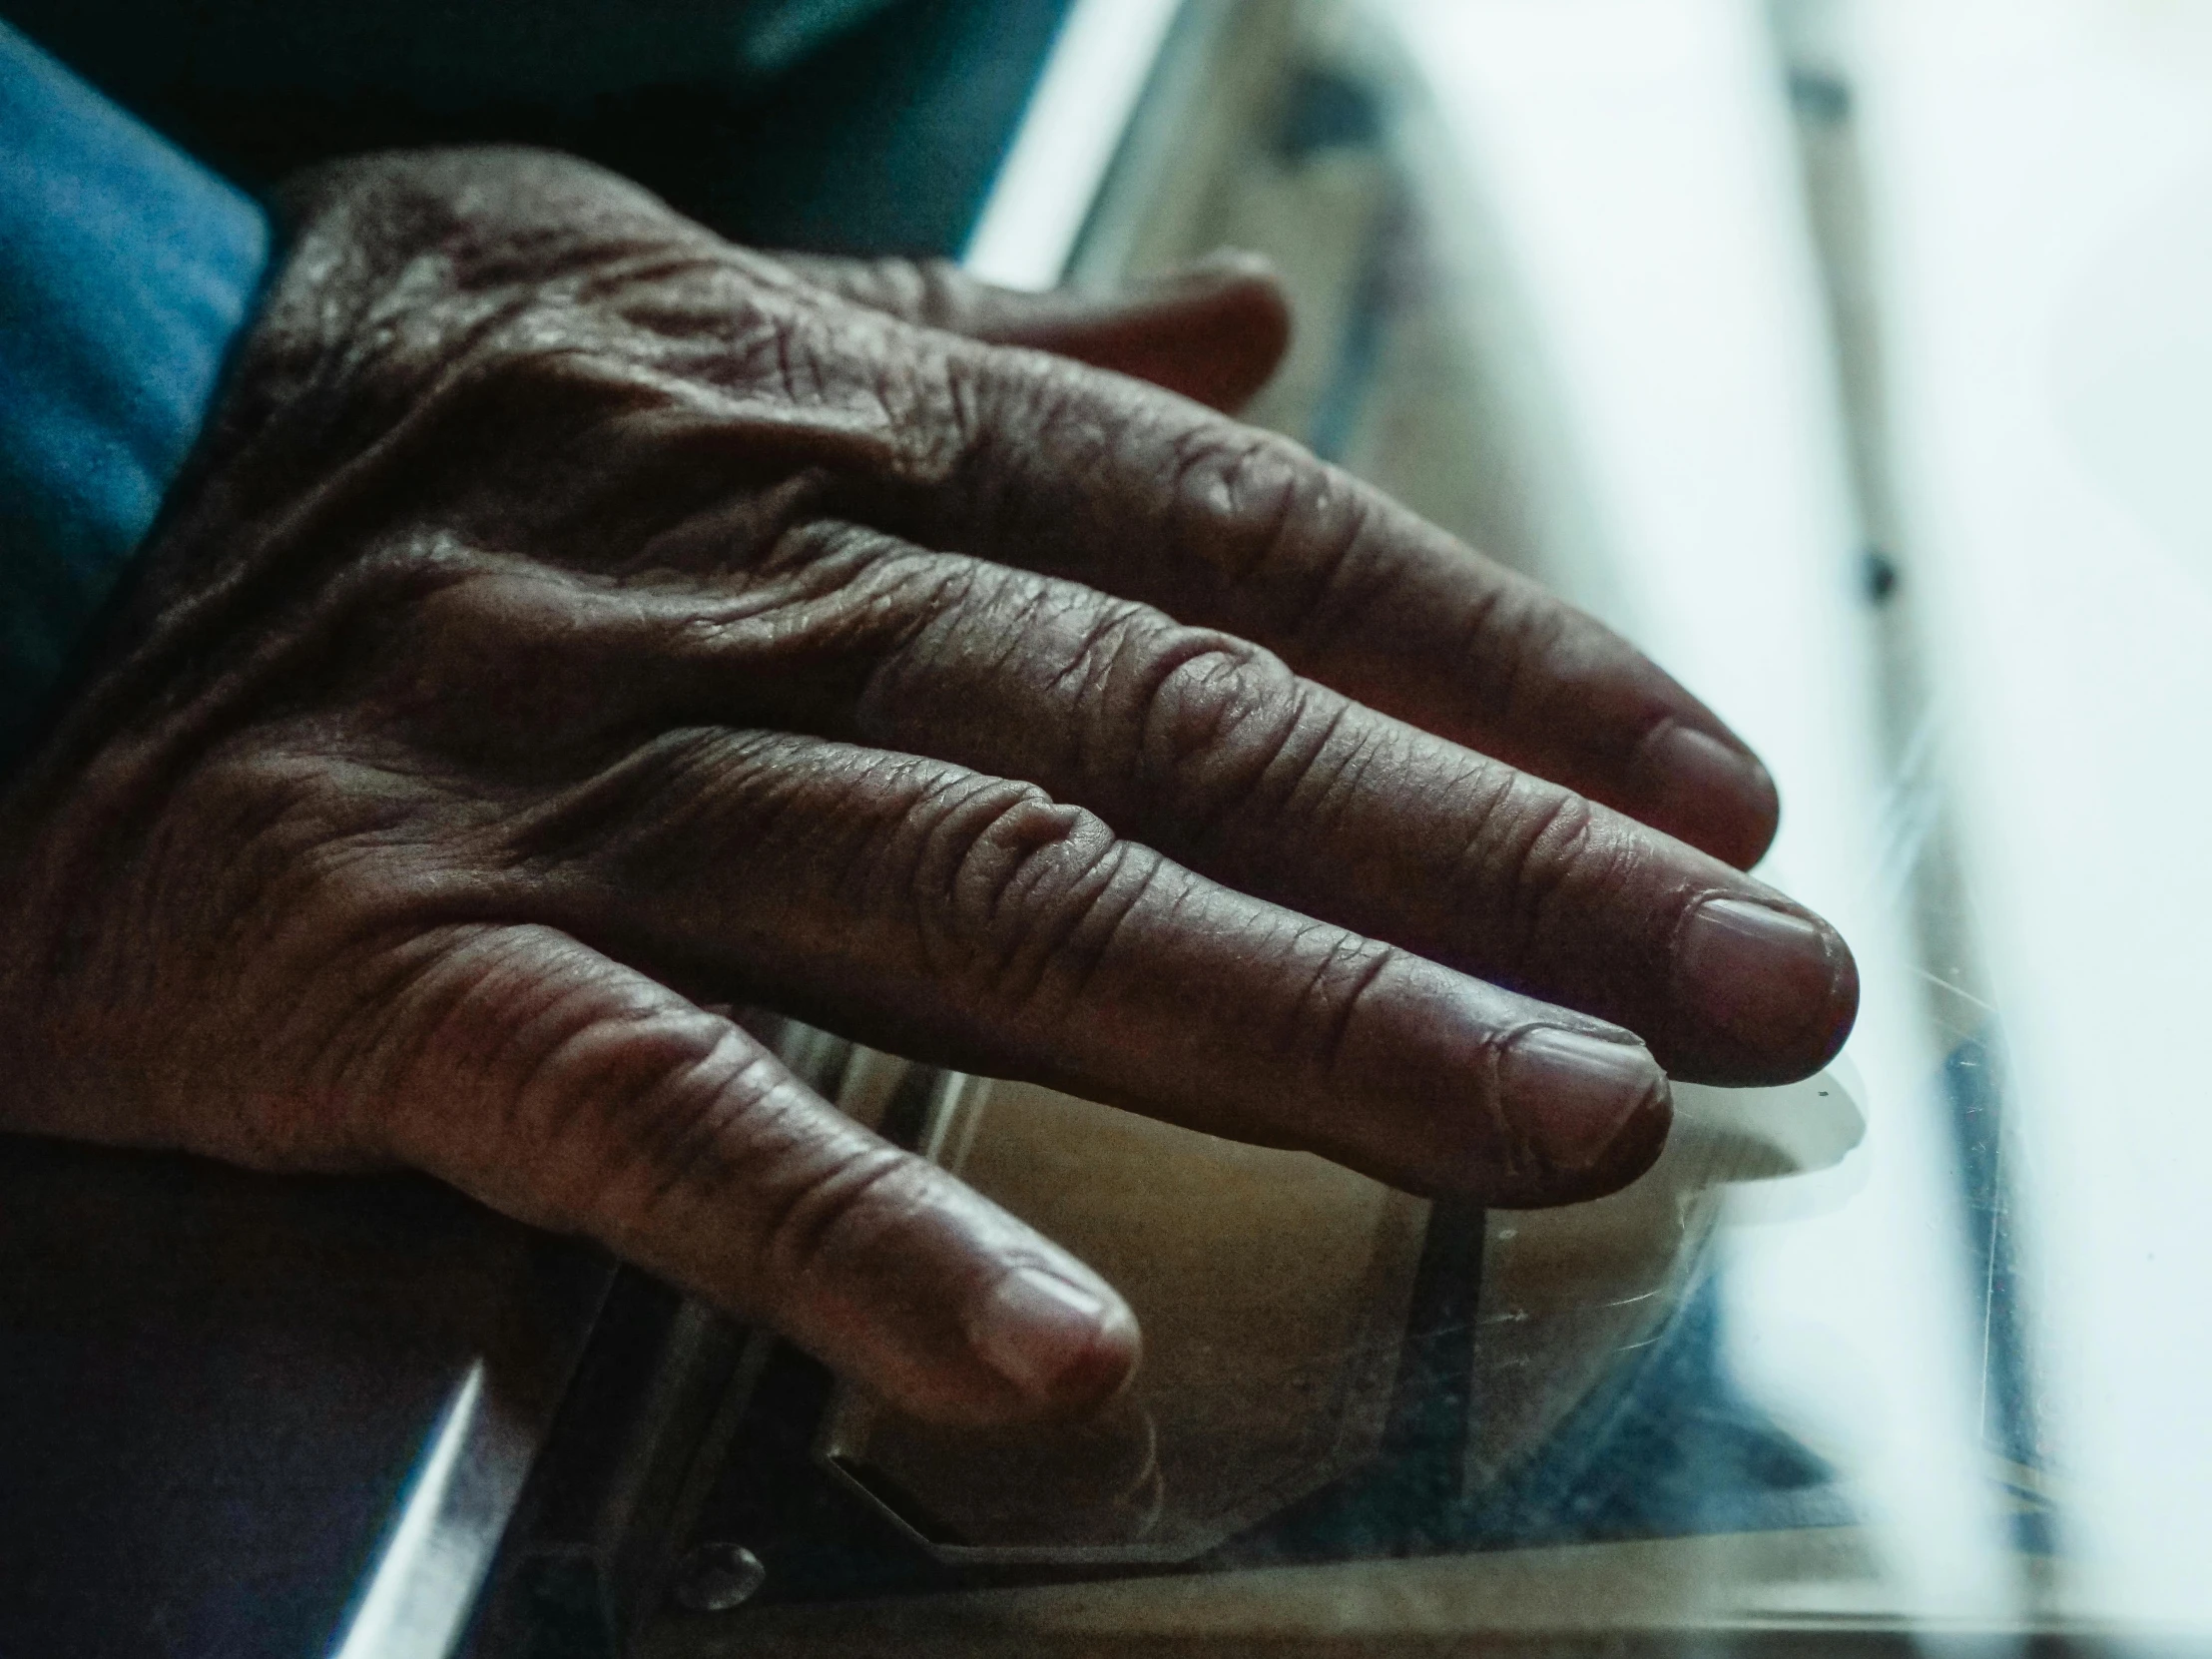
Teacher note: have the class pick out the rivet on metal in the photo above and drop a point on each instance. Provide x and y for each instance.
(715, 1577)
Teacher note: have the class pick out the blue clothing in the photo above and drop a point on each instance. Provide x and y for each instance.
(126, 271)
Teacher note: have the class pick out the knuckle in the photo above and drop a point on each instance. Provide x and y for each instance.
(1269, 513)
(1515, 641)
(1535, 845)
(1326, 1022)
(1005, 881)
(939, 293)
(995, 398)
(934, 615)
(1235, 742)
(1225, 729)
(600, 1102)
(583, 1095)
(922, 387)
(626, 1111)
(896, 285)
(1245, 489)
(924, 292)
(826, 1212)
(1006, 850)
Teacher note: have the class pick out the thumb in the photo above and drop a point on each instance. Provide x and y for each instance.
(1213, 331)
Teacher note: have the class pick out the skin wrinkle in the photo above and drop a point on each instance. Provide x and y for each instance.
(819, 544)
(533, 638)
(1334, 1031)
(1103, 651)
(693, 441)
(1004, 590)
(921, 385)
(800, 1232)
(342, 1059)
(576, 1092)
(1290, 756)
(641, 272)
(1111, 671)
(905, 595)
(560, 1016)
(781, 1130)
(1211, 514)
(860, 874)
(938, 847)
(258, 582)
(1199, 730)
(276, 869)
(987, 862)
(734, 785)
(540, 670)
(1079, 962)
(1339, 783)
(701, 1161)
(733, 534)
(788, 812)
(461, 961)
(974, 489)
(643, 798)
(1336, 581)
(1338, 596)
(1534, 860)
(786, 1162)
(679, 1127)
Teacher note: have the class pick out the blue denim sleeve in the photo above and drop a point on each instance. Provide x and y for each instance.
(126, 271)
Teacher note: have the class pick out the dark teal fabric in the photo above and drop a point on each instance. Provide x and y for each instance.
(864, 125)
(124, 271)
(126, 266)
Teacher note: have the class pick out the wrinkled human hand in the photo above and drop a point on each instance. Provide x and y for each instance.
(573, 624)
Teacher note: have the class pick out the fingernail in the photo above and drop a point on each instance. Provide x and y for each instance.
(1041, 1332)
(1691, 774)
(1571, 1096)
(1768, 978)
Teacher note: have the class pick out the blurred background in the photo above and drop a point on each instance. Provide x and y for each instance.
(1855, 357)
(1851, 357)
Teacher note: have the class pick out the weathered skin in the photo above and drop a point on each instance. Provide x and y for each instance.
(574, 625)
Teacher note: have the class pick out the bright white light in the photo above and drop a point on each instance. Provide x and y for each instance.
(439, 1546)
(1636, 160)
(1074, 123)
(2044, 173)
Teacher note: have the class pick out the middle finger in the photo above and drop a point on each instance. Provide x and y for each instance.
(1211, 749)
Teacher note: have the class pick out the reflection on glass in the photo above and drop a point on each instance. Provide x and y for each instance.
(1850, 355)
(1289, 1326)
(1273, 1287)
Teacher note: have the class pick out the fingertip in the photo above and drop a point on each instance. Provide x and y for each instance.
(1572, 1094)
(1771, 990)
(1628, 1158)
(1249, 293)
(1237, 307)
(1214, 332)
(1590, 1111)
(1712, 795)
(1065, 1348)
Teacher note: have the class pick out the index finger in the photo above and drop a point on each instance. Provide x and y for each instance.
(1075, 473)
